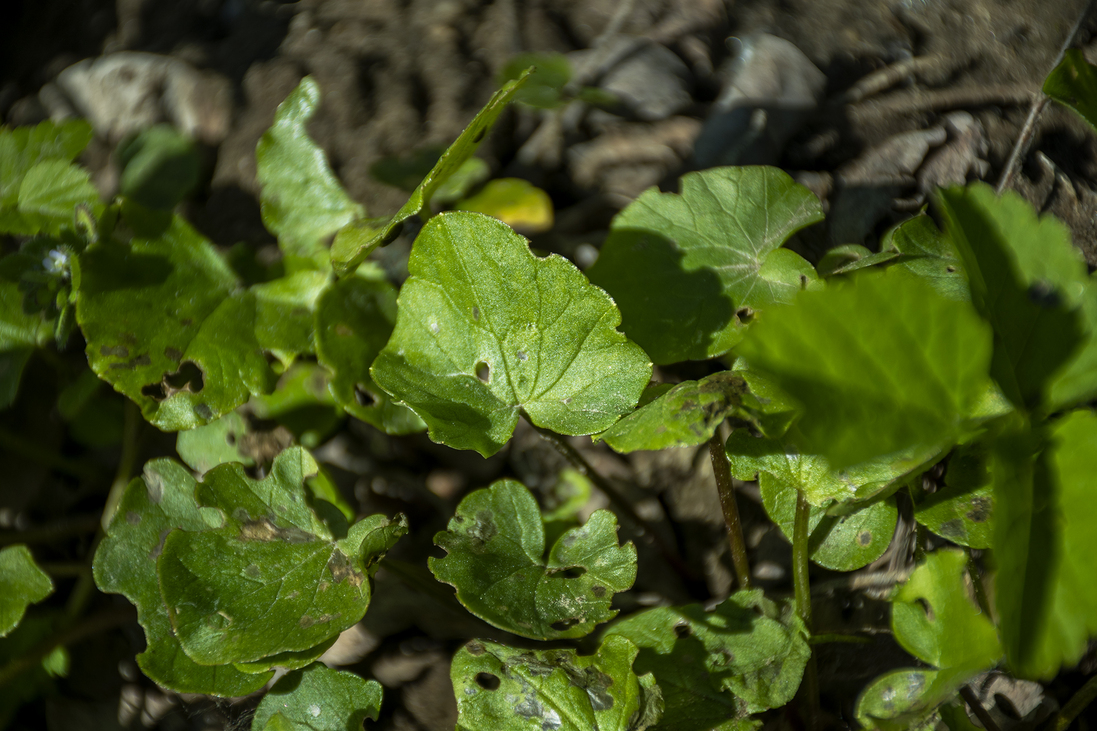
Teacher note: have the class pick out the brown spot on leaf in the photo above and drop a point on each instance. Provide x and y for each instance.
(475, 648)
(864, 538)
(342, 570)
(117, 351)
(980, 509)
(343, 330)
(266, 530)
(173, 354)
(598, 591)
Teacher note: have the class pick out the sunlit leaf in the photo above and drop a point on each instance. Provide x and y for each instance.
(516, 202)
(691, 271)
(48, 197)
(355, 242)
(962, 511)
(218, 442)
(318, 699)
(928, 253)
(486, 331)
(24, 147)
(496, 560)
(499, 688)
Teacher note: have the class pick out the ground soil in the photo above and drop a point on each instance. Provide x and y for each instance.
(400, 75)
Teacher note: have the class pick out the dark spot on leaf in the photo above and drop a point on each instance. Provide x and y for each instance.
(803, 281)
(930, 615)
(1044, 294)
(479, 135)
(173, 354)
(230, 438)
(744, 315)
(522, 355)
(483, 527)
(475, 648)
(487, 681)
(950, 269)
(341, 570)
(133, 518)
(980, 509)
(252, 570)
(186, 322)
(364, 397)
(343, 330)
(204, 411)
(952, 528)
(681, 631)
(129, 365)
(563, 624)
(483, 372)
(476, 313)
(864, 538)
(118, 351)
(598, 591)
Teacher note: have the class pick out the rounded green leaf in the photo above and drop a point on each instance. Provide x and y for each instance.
(962, 511)
(21, 583)
(272, 578)
(185, 360)
(318, 699)
(215, 443)
(499, 688)
(745, 656)
(690, 271)
(354, 319)
(161, 500)
(902, 700)
(881, 364)
(354, 242)
(486, 330)
(301, 199)
(496, 561)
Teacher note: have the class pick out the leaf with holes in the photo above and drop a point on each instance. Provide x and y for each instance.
(962, 511)
(745, 656)
(690, 271)
(184, 360)
(881, 364)
(302, 201)
(486, 331)
(685, 415)
(21, 583)
(1030, 283)
(271, 578)
(354, 242)
(354, 319)
(500, 688)
(496, 561)
(318, 698)
(933, 618)
(1044, 543)
(153, 505)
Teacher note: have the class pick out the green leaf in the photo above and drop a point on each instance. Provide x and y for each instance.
(184, 360)
(125, 563)
(354, 243)
(21, 583)
(354, 319)
(745, 656)
(516, 202)
(285, 313)
(1029, 282)
(318, 699)
(849, 258)
(543, 90)
(765, 405)
(48, 197)
(486, 330)
(215, 443)
(686, 415)
(934, 619)
(24, 147)
(499, 688)
(963, 510)
(690, 271)
(1044, 543)
(1074, 83)
(272, 578)
(496, 561)
(23, 325)
(302, 201)
(928, 253)
(881, 364)
(160, 167)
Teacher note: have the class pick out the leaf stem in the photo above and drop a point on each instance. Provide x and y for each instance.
(90, 626)
(616, 499)
(726, 489)
(1077, 703)
(977, 708)
(801, 553)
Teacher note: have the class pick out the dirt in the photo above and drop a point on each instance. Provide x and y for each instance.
(401, 75)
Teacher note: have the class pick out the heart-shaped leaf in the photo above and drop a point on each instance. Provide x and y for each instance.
(882, 364)
(745, 656)
(354, 242)
(486, 331)
(496, 561)
(499, 688)
(683, 416)
(690, 271)
(21, 583)
(318, 699)
(302, 201)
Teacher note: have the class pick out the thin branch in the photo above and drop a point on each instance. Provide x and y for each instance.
(1038, 105)
(726, 489)
(977, 708)
(800, 557)
(1077, 703)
